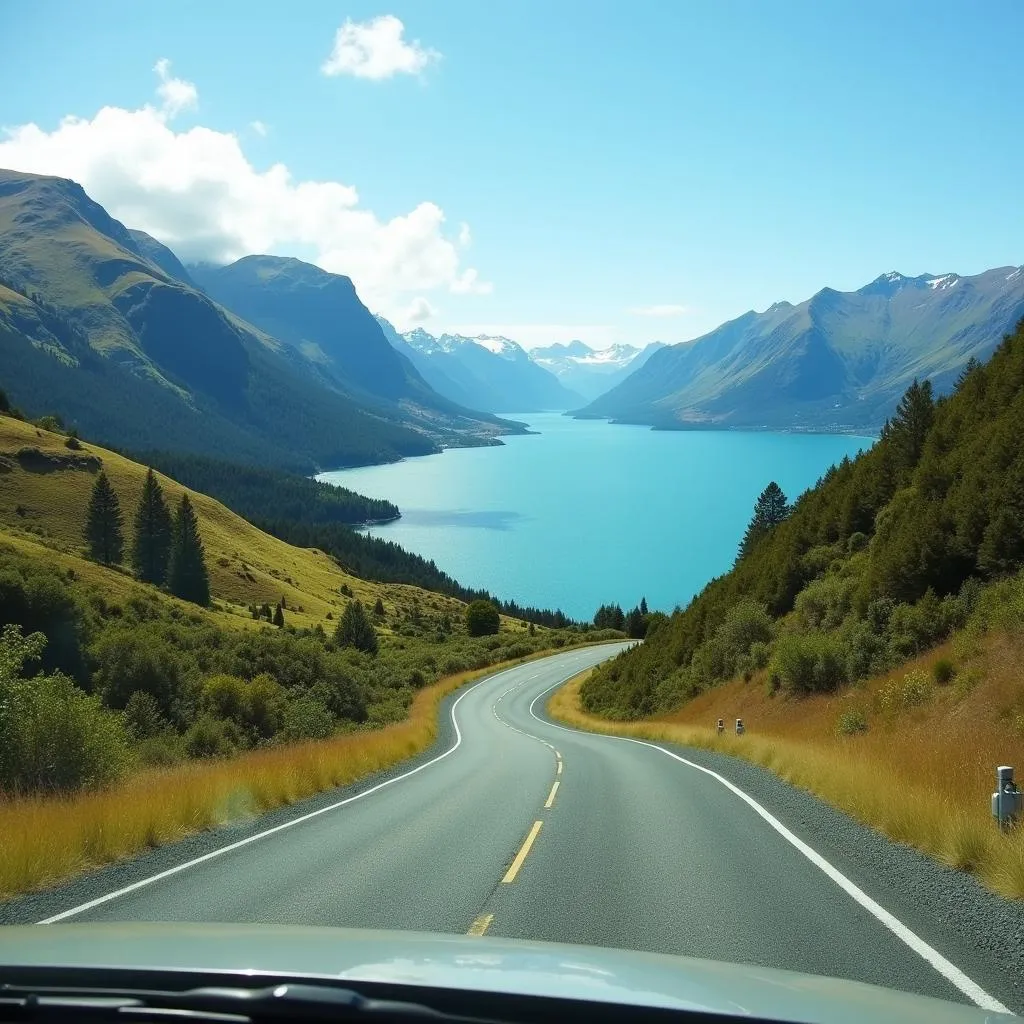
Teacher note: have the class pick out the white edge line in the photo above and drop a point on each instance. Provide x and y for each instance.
(64, 915)
(932, 956)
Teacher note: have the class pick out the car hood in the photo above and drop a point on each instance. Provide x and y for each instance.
(479, 964)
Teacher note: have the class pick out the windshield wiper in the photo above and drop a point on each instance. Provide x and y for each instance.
(292, 1002)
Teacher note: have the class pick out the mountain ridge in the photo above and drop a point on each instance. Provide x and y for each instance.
(836, 361)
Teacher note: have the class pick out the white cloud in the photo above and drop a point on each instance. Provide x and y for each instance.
(417, 313)
(177, 94)
(196, 191)
(465, 235)
(663, 310)
(259, 127)
(375, 49)
(540, 335)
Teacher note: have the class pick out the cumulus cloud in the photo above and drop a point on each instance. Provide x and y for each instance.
(196, 191)
(375, 49)
(175, 93)
(663, 310)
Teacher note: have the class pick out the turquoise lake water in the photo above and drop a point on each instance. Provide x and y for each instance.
(585, 512)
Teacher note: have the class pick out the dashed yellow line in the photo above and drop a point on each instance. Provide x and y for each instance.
(559, 772)
(510, 875)
(481, 924)
(551, 796)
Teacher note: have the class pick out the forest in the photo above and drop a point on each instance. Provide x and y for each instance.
(879, 561)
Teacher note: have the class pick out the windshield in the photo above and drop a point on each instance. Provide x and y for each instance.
(474, 470)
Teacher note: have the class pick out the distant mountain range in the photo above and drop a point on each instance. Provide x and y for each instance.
(268, 360)
(591, 372)
(491, 373)
(838, 361)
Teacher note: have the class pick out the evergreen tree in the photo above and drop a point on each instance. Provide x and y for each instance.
(636, 624)
(643, 605)
(378, 609)
(355, 629)
(279, 616)
(187, 577)
(151, 552)
(909, 427)
(771, 508)
(103, 523)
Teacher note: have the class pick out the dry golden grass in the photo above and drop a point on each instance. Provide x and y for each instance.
(46, 840)
(246, 565)
(922, 776)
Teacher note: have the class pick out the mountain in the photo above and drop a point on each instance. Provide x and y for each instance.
(320, 316)
(838, 361)
(102, 326)
(453, 381)
(591, 372)
(487, 372)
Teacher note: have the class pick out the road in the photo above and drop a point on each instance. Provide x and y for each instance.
(526, 829)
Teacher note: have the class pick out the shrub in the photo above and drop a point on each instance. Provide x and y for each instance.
(211, 737)
(851, 722)
(810, 662)
(306, 718)
(897, 695)
(482, 618)
(52, 735)
(943, 671)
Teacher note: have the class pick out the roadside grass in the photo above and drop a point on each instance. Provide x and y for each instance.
(44, 840)
(921, 775)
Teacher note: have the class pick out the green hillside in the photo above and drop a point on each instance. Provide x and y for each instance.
(97, 324)
(881, 560)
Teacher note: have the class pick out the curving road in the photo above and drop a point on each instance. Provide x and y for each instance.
(519, 827)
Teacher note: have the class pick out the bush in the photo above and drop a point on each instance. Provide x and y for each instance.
(852, 722)
(52, 735)
(943, 671)
(306, 718)
(810, 662)
(212, 737)
(897, 695)
(482, 618)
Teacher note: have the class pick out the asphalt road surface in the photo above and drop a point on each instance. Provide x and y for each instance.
(521, 828)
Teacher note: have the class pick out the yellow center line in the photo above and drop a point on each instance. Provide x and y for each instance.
(559, 768)
(551, 796)
(510, 875)
(481, 924)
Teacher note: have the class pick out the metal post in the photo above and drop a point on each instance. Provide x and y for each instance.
(1006, 800)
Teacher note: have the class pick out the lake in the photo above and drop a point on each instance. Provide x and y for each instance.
(584, 512)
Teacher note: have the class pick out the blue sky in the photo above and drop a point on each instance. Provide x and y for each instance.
(594, 162)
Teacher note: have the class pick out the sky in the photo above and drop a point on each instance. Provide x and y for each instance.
(614, 172)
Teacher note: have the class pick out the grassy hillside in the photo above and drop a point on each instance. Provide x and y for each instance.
(99, 326)
(43, 497)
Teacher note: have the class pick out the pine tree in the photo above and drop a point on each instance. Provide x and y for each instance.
(914, 417)
(279, 616)
(771, 508)
(355, 629)
(103, 534)
(643, 605)
(188, 578)
(151, 552)
(378, 609)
